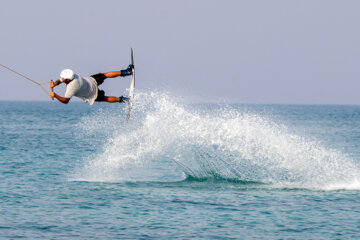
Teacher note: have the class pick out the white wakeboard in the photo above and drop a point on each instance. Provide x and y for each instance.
(132, 88)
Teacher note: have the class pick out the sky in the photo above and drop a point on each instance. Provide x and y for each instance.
(254, 51)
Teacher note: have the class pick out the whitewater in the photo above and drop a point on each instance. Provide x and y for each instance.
(210, 143)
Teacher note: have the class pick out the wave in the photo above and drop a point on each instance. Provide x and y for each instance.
(169, 141)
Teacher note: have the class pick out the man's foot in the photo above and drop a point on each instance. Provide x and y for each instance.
(127, 71)
(124, 99)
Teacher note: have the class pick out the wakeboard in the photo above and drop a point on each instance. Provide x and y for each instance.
(131, 89)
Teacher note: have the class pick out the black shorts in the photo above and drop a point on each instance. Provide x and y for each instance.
(99, 78)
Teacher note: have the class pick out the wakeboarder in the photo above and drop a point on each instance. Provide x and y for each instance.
(86, 88)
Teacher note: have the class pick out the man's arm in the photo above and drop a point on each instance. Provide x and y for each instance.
(60, 98)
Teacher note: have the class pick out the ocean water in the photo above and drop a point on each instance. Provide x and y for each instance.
(179, 171)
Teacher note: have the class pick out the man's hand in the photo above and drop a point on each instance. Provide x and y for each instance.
(60, 98)
(54, 84)
(52, 94)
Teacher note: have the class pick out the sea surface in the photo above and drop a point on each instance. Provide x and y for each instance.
(179, 171)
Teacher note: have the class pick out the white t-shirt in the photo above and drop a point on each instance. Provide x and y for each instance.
(84, 88)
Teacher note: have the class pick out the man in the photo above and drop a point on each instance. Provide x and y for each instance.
(86, 88)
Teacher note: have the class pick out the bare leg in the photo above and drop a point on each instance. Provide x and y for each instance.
(112, 99)
(112, 74)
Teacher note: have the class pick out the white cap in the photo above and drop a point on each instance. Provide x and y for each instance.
(67, 74)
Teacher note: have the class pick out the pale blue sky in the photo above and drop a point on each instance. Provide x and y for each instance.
(239, 51)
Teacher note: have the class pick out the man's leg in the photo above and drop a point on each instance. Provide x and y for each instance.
(102, 98)
(112, 74)
(112, 99)
(122, 73)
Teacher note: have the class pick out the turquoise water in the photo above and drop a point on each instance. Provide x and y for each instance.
(179, 171)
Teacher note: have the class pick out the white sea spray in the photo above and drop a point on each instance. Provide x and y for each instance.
(221, 142)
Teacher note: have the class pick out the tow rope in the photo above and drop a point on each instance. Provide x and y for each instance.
(33, 81)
